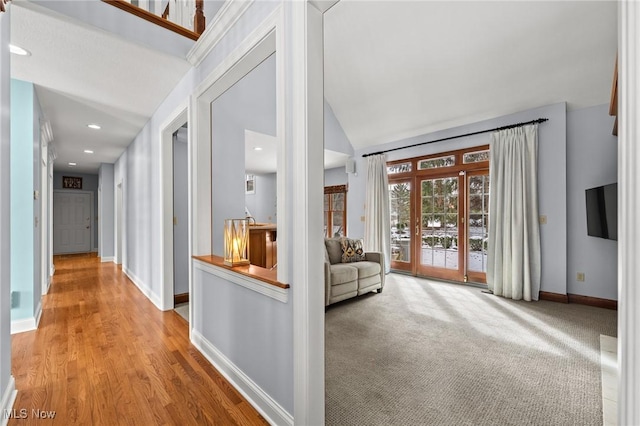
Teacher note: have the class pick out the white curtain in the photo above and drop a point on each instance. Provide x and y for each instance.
(513, 256)
(377, 223)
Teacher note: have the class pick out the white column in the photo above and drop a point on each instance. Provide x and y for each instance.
(629, 213)
(305, 60)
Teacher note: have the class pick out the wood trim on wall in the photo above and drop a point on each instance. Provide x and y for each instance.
(579, 300)
(150, 17)
(181, 298)
(553, 297)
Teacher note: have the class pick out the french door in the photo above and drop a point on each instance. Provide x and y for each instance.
(439, 215)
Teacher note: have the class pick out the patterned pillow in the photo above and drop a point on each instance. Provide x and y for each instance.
(352, 250)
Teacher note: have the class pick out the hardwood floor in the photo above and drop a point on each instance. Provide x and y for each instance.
(105, 355)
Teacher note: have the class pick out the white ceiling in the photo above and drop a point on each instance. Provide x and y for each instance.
(393, 69)
(86, 75)
(396, 69)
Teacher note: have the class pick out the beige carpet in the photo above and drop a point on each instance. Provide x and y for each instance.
(430, 353)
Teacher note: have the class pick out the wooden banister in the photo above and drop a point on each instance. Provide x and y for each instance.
(148, 16)
(2, 3)
(198, 19)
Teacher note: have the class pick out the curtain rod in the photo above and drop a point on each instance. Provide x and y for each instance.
(511, 126)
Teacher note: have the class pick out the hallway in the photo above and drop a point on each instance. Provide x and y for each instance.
(105, 355)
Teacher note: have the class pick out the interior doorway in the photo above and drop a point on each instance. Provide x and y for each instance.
(72, 213)
(181, 222)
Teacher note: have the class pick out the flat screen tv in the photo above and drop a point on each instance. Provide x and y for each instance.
(602, 211)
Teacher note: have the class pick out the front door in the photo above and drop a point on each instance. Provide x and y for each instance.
(71, 222)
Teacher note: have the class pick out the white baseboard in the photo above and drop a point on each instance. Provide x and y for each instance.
(20, 326)
(38, 314)
(8, 398)
(107, 259)
(258, 398)
(143, 288)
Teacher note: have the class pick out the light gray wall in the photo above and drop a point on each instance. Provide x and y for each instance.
(106, 204)
(591, 161)
(89, 183)
(211, 8)
(335, 176)
(249, 105)
(181, 213)
(139, 168)
(5, 195)
(552, 187)
(263, 204)
(335, 138)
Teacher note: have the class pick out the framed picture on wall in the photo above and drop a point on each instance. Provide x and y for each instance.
(250, 184)
(71, 182)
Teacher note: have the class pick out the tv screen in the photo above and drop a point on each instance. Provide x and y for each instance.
(602, 211)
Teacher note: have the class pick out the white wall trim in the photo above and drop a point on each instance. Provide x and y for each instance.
(256, 396)
(22, 325)
(175, 120)
(8, 398)
(146, 290)
(38, 313)
(223, 21)
(308, 175)
(277, 293)
(261, 43)
(107, 259)
(628, 202)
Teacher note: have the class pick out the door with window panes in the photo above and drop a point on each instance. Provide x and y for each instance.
(445, 198)
(335, 211)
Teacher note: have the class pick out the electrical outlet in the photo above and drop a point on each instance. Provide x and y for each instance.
(543, 219)
(580, 276)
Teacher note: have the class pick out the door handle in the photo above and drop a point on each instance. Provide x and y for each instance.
(417, 230)
(88, 227)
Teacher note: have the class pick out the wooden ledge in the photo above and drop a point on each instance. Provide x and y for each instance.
(148, 16)
(262, 274)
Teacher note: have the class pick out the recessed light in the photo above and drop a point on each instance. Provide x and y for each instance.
(257, 148)
(72, 164)
(16, 50)
(93, 126)
(88, 151)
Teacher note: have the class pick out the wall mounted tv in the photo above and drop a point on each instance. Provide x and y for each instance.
(602, 211)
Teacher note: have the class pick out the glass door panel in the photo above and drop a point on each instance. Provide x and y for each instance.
(439, 221)
(401, 231)
(478, 223)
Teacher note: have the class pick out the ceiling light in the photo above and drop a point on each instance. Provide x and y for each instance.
(93, 126)
(72, 164)
(257, 148)
(88, 151)
(18, 50)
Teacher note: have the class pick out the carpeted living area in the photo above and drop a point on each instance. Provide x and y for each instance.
(425, 352)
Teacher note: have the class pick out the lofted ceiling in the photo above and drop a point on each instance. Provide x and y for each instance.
(85, 75)
(393, 69)
(397, 69)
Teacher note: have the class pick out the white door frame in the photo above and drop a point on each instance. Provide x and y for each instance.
(118, 225)
(45, 262)
(93, 215)
(176, 120)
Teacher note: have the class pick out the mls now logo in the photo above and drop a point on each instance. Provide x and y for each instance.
(23, 413)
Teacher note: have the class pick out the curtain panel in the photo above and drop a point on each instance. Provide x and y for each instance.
(513, 269)
(377, 223)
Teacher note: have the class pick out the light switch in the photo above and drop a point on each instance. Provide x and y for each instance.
(543, 219)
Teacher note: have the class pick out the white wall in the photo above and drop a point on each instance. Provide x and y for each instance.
(552, 187)
(263, 203)
(335, 138)
(106, 208)
(181, 213)
(591, 161)
(6, 379)
(139, 169)
(335, 176)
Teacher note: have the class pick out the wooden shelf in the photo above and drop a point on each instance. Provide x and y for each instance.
(266, 275)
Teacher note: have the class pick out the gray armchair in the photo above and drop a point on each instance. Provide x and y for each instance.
(345, 280)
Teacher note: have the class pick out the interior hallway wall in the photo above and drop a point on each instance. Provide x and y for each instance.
(106, 206)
